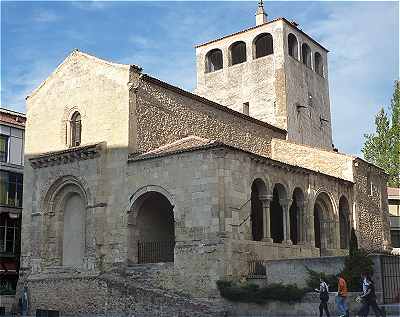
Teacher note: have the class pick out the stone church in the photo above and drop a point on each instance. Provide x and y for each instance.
(136, 191)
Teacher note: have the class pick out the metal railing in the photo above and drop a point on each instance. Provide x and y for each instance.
(390, 266)
(257, 268)
(156, 251)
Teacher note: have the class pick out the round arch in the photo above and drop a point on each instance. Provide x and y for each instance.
(296, 215)
(151, 226)
(324, 221)
(344, 222)
(263, 45)
(258, 192)
(65, 237)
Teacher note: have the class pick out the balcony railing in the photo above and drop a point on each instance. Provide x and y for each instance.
(156, 251)
(257, 268)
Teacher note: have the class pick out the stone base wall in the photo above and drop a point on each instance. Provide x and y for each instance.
(309, 306)
(108, 294)
(240, 252)
(7, 302)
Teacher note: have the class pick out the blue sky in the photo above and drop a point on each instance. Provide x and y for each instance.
(363, 39)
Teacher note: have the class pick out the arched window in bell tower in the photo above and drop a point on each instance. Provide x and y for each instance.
(263, 45)
(293, 46)
(306, 55)
(214, 60)
(75, 128)
(237, 53)
(318, 64)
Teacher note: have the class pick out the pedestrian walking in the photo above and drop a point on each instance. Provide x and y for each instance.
(324, 297)
(368, 297)
(341, 299)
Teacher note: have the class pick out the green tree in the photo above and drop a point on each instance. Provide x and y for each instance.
(382, 148)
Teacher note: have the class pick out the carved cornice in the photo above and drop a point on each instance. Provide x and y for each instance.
(78, 153)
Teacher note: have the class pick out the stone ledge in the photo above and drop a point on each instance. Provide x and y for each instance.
(66, 156)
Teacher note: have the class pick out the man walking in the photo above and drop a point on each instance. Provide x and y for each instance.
(341, 299)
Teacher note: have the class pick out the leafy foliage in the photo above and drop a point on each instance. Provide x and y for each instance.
(383, 147)
(252, 293)
(314, 277)
(354, 265)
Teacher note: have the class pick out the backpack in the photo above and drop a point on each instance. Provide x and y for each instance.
(324, 295)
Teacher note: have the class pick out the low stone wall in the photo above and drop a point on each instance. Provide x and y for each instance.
(307, 307)
(240, 252)
(7, 302)
(109, 294)
(294, 271)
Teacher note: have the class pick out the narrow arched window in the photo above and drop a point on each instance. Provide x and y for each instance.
(293, 46)
(306, 55)
(76, 128)
(238, 53)
(263, 45)
(318, 64)
(214, 60)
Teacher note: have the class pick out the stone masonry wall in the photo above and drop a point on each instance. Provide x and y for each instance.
(372, 212)
(164, 116)
(324, 161)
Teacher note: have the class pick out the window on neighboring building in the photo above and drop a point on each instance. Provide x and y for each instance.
(263, 45)
(318, 64)
(8, 234)
(246, 108)
(293, 46)
(11, 189)
(395, 237)
(3, 148)
(238, 53)
(214, 60)
(306, 55)
(76, 128)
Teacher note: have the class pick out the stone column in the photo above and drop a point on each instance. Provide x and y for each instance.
(266, 200)
(301, 223)
(285, 203)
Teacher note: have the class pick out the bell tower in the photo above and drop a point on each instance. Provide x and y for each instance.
(273, 72)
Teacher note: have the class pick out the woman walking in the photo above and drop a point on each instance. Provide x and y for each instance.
(368, 297)
(324, 297)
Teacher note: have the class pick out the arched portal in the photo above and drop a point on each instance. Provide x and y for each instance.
(296, 216)
(344, 222)
(277, 221)
(151, 229)
(258, 189)
(324, 230)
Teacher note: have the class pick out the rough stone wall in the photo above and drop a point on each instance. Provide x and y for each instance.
(240, 172)
(372, 212)
(310, 125)
(164, 116)
(276, 86)
(255, 81)
(324, 161)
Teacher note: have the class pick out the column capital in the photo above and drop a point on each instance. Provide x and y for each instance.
(285, 201)
(265, 198)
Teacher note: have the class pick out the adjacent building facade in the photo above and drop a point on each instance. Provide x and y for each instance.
(137, 171)
(12, 126)
(394, 211)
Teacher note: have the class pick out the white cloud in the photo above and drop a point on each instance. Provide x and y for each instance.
(45, 16)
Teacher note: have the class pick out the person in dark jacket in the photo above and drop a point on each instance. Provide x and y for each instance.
(368, 297)
(324, 297)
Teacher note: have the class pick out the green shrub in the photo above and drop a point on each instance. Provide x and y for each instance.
(314, 277)
(355, 264)
(252, 293)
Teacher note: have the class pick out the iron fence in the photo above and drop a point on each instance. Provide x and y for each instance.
(257, 268)
(156, 251)
(390, 266)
